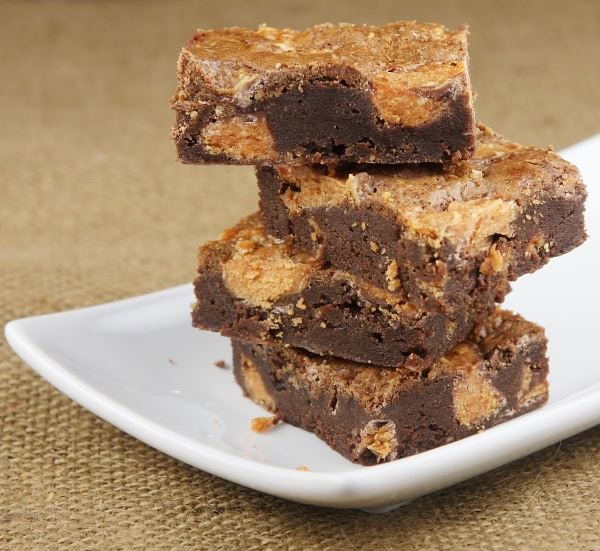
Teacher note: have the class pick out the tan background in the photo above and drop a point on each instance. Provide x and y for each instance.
(94, 207)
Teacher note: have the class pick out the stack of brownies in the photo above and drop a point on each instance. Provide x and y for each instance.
(362, 297)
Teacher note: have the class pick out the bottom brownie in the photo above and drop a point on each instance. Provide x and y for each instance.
(372, 414)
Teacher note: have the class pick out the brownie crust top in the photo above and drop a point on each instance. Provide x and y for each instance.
(420, 58)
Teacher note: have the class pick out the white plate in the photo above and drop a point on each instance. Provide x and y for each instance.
(138, 364)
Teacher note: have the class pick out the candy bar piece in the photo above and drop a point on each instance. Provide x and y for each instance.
(399, 93)
(373, 414)
(439, 233)
(254, 287)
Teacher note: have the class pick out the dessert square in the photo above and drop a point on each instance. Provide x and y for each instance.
(373, 414)
(398, 93)
(254, 287)
(441, 234)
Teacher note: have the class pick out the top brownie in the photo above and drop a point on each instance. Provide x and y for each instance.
(398, 93)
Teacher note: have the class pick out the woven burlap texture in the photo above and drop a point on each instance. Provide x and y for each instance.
(94, 207)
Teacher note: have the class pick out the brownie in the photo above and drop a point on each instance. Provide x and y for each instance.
(398, 93)
(373, 414)
(442, 234)
(254, 287)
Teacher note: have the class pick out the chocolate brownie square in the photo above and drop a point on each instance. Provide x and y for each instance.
(372, 414)
(254, 287)
(399, 93)
(441, 234)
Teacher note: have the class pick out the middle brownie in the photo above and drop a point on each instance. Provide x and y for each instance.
(441, 234)
(254, 287)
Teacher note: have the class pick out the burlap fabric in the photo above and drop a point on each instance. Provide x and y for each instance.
(94, 207)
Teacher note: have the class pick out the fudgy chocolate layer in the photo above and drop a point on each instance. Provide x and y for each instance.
(393, 94)
(255, 288)
(372, 414)
(328, 123)
(440, 234)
